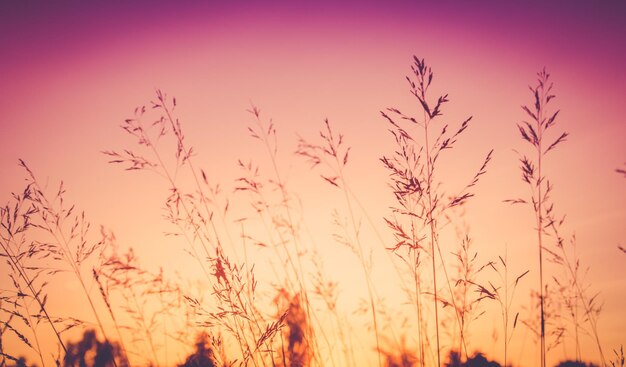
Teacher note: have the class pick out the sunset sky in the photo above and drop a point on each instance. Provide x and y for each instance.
(71, 72)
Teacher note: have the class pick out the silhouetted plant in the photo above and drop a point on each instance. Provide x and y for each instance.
(287, 337)
(327, 291)
(236, 313)
(548, 226)
(618, 358)
(504, 294)
(532, 173)
(146, 299)
(68, 232)
(552, 317)
(479, 360)
(333, 154)
(187, 208)
(26, 277)
(575, 364)
(43, 236)
(420, 201)
(193, 211)
(275, 206)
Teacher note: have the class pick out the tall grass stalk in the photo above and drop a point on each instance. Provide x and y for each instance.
(14, 224)
(412, 169)
(192, 212)
(140, 291)
(29, 320)
(105, 292)
(265, 132)
(335, 156)
(468, 271)
(71, 243)
(504, 294)
(535, 133)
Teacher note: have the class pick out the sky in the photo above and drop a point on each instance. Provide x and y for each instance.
(71, 72)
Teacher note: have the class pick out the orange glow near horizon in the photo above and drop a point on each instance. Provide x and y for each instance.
(71, 75)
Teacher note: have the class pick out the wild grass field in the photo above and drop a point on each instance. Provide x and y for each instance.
(294, 318)
(419, 234)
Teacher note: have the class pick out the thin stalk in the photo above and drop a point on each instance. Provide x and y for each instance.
(164, 327)
(418, 291)
(539, 218)
(32, 327)
(506, 308)
(202, 196)
(279, 181)
(577, 350)
(580, 293)
(454, 305)
(170, 179)
(364, 265)
(435, 244)
(146, 329)
(376, 232)
(110, 309)
(432, 227)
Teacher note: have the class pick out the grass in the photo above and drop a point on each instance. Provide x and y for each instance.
(416, 189)
(504, 294)
(548, 224)
(296, 316)
(534, 132)
(332, 153)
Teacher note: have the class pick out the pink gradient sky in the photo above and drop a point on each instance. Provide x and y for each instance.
(71, 72)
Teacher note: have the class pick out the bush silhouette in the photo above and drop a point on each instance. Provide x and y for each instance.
(478, 360)
(93, 353)
(203, 356)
